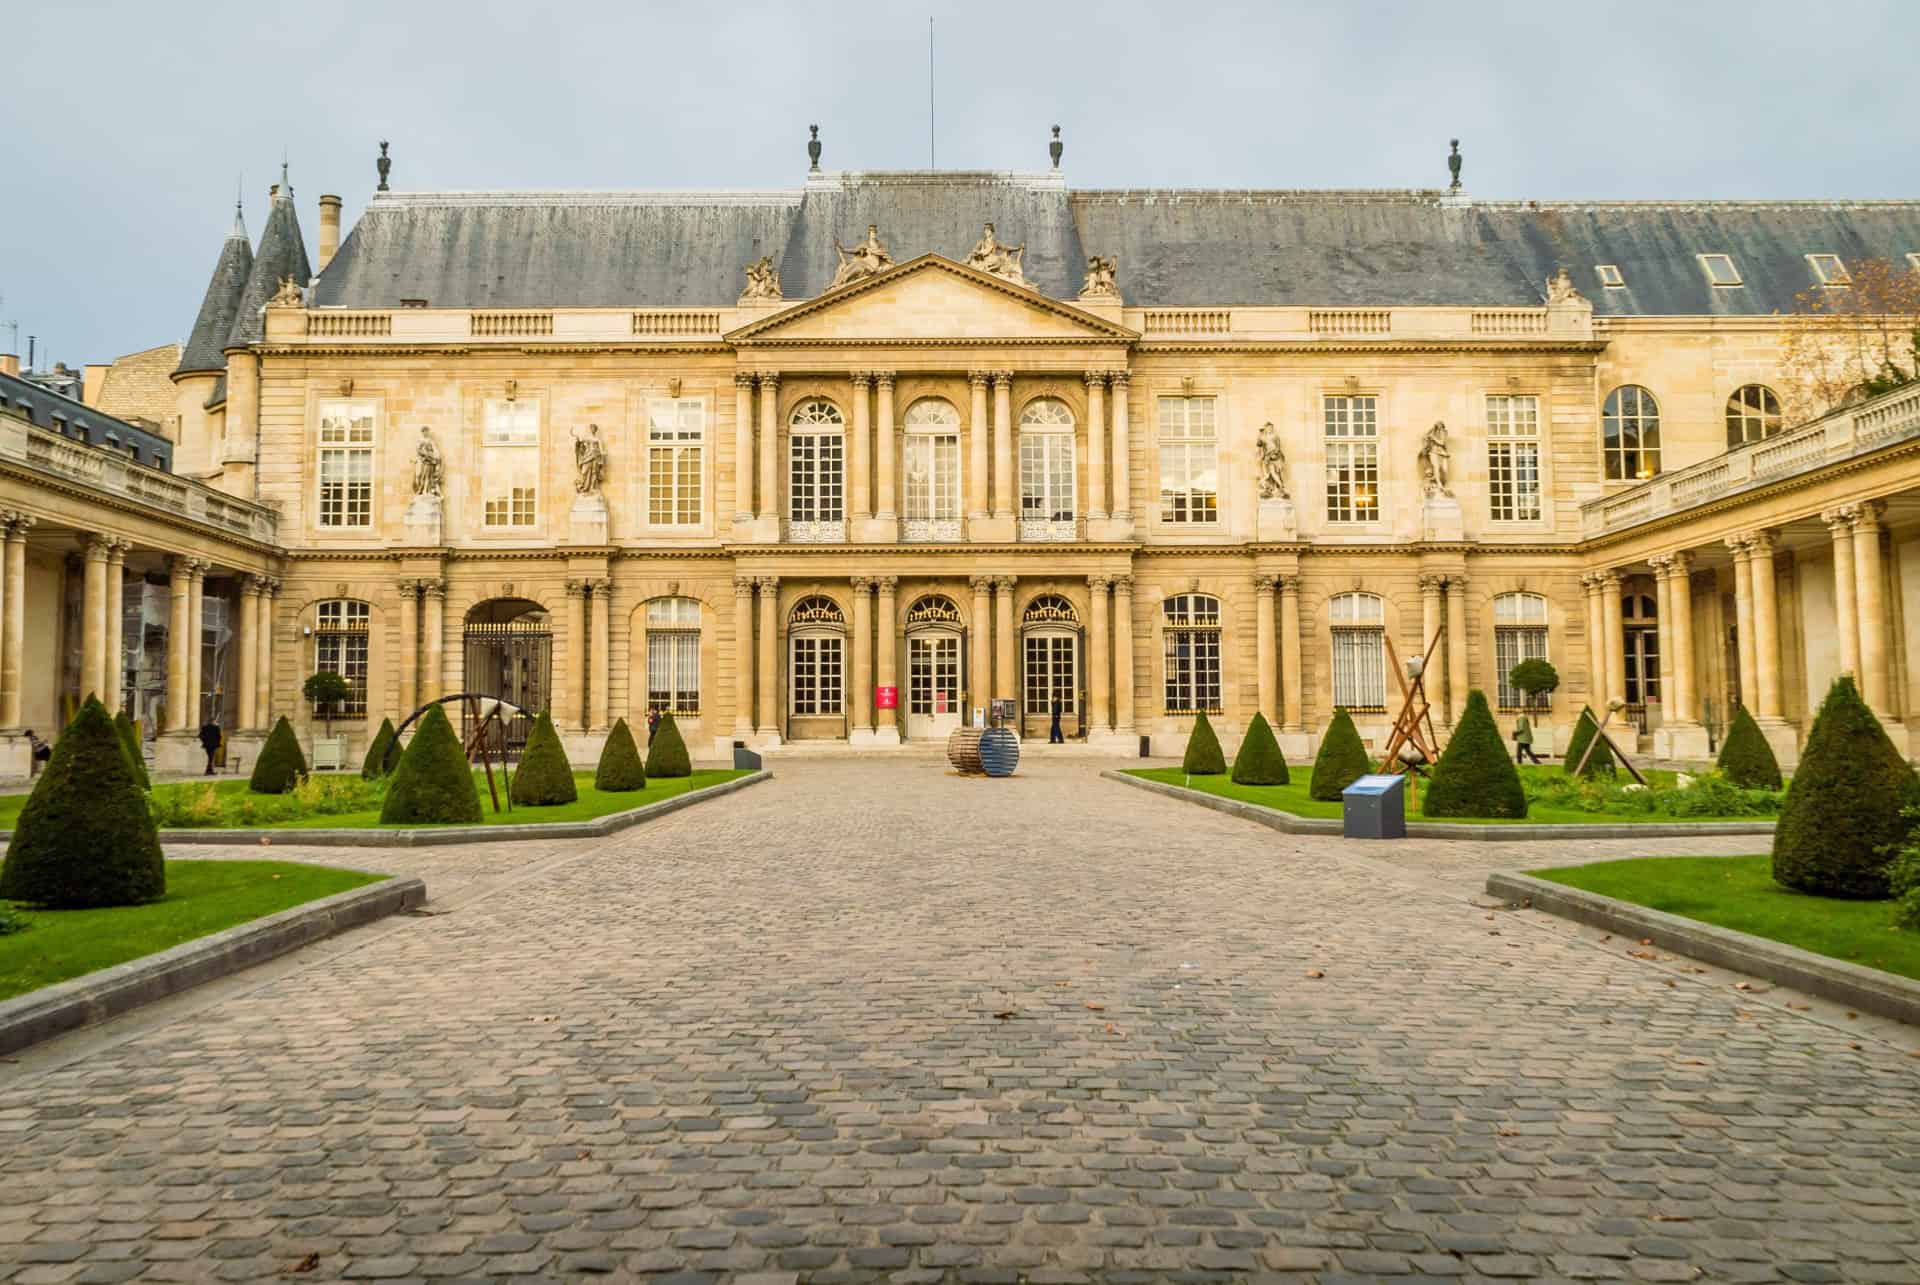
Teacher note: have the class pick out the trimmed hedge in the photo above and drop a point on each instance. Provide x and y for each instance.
(1842, 819)
(1601, 759)
(1475, 777)
(1342, 759)
(281, 764)
(1745, 757)
(374, 765)
(85, 838)
(544, 777)
(1203, 756)
(433, 781)
(666, 752)
(130, 737)
(619, 769)
(1260, 761)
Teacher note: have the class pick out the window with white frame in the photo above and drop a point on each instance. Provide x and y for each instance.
(932, 463)
(1519, 633)
(1720, 270)
(816, 474)
(1829, 270)
(1630, 433)
(1610, 275)
(676, 447)
(1513, 458)
(1191, 622)
(1359, 651)
(340, 647)
(1353, 458)
(1189, 440)
(1046, 462)
(673, 655)
(817, 649)
(345, 466)
(1753, 412)
(510, 462)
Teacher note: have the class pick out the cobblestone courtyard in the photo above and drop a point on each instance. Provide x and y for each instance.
(871, 1020)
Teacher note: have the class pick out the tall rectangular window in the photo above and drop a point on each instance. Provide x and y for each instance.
(1353, 459)
(340, 647)
(1046, 477)
(816, 674)
(673, 655)
(1513, 458)
(1189, 460)
(1191, 624)
(345, 466)
(510, 462)
(1359, 651)
(815, 479)
(933, 476)
(676, 438)
(1519, 633)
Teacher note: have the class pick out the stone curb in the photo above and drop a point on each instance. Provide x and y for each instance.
(599, 827)
(1287, 822)
(1866, 989)
(65, 1006)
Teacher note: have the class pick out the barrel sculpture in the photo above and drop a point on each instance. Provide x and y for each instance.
(992, 752)
(963, 750)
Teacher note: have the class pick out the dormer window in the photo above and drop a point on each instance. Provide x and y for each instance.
(1720, 270)
(1829, 269)
(1913, 260)
(1610, 275)
(413, 303)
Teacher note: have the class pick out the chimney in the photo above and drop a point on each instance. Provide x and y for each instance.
(10, 364)
(329, 230)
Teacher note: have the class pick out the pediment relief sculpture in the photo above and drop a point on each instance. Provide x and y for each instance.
(763, 282)
(867, 259)
(993, 256)
(1101, 284)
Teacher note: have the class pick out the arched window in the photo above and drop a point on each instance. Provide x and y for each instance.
(340, 629)
(1192, 624)
(816, 443)
(1046, 471)
(1358, 621)
(1753, 412)
(933, 471)
(1519, 633)
(816, 638)
(1630, 433)
(673, 656)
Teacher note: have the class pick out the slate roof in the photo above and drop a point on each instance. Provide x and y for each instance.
(1176, 248)
(49, 410)
(282, 254)
(206, 346)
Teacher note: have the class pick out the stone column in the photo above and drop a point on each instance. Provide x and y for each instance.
(1845, 603)
(978, 431)
(1766, 628)
(887, 721)
(742, 657)
(246, 642)
(862, 657)
(884, 426)
(1122, 478)
(742, 449)
(408, 666)
(859, 494)
(1123, 653)
(1290, 715)
(433, 639)
(1433, 590)
(1003, 684)
(1743, 617)
(179, 594)
(1663, 597)
(769, 634)
(980, 643)
(93, 619)
(1596, 645)
(1457, 681)
(114, 674)
(1004, 483)
(769, 470)
(1870, 600)
(1098, 718)
(1680, 603)
(1096, 444)
(1266, 658)
(575, 711)
(1615, 639)
(263, 670)
(599, 685)
(13, 619)
(196, 637)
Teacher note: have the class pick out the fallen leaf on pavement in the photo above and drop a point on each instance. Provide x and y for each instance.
(1004, 1015)
(307, 1264)
(1314, 972)
(1093, 1007)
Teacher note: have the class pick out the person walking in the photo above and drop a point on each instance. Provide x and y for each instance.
(1053, 733)
(1523, 741)
(653, 724)
(39, 753)
(210, 741)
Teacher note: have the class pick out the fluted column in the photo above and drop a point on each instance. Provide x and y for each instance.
(1003, 679)
(1122, 447)
(1663, 598)
(1004, 484)
(1291, 719)
(859, 493)
(769, 469)
(114, 673)
(1096, 444)
(743, 462)
(1123, 653)
(601, 682)
(408, 667)
(1845, 600)
(196, 638)
(1433, 590)
(1739, 546)
(93, 618)
(862, 653)
(1680, 604)
(263, 668)
(769, 654)
(742, 657)
(1266, 658)
(1615, 637)
(884, 426)
(887, 625)
(1098, 718)
(978, 432)
(179, 597)
(1766, 628)
(1870, 600)
(1596, 644)
(980, 642)
(433, 639)
(246, 642)
(13, 619)
(1457, 682)
(575, 712)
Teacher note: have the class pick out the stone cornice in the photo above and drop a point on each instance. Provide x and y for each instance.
(1149, 347)
(455, 348)
(52, 516)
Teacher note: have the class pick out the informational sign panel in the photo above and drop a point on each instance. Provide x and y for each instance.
(979, 716)
(1003, 710)
(886, 698)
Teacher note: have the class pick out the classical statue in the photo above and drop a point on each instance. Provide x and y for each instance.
(1560, 289)
(763, 282)
(1436, 461)
(867, 259)
(989, 254)
(1273, 465)
(1100, 282)
(428, 467)
(589, 461)
(288, 295)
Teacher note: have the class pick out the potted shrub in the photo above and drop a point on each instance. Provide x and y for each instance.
(327, 691)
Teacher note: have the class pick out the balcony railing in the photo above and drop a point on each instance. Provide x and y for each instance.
(931, 530)
(1835, 437)
(1049, 530)
(816, 532)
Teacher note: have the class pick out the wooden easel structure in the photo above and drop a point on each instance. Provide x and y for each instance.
(486, 742)
(1413, 725)
(1599, 735)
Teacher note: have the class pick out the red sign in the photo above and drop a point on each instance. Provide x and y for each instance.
(886, 698)
(939, 702)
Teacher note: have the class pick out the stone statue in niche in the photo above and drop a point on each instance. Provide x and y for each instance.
(589, 461)
(989, 254)
(869, 258)
(1273, 465)
(1436, 461)
(429, 469)
(1560, 289)
(1100, 283)
(763, 282)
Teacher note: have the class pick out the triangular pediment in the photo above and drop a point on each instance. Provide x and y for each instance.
(931, 299)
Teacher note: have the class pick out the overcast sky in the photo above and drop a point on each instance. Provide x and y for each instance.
(127, 126)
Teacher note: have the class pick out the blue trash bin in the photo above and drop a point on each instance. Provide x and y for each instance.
(1375, 807)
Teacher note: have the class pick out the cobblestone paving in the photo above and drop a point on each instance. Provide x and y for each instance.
(869, 1020)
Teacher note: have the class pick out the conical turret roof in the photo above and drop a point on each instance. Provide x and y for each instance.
(282, 254)
(206, 348)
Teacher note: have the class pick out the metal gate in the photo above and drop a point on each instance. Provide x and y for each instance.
(512, 660)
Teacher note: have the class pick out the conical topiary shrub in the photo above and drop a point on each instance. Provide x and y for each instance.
(544, 777)
(85, 837)
(374, 765)
(1745, 756)
(1203, 756)
(1259, 761)
(130, 737)
(1601, 760)
(1342, 759)
(433, 782)
(666, 752)
(281, 764)
(1841, 821)
(1474, 777)
(619, 769)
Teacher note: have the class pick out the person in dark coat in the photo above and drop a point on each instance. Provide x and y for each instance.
(653, 724)
(1053, 733)
(210, 742)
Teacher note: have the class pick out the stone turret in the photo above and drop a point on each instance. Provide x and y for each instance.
(200, 380)
(282, 255)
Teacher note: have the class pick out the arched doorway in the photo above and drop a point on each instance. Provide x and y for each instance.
(935, 642)
(1050, 667)
(816, 670)
(509, 655)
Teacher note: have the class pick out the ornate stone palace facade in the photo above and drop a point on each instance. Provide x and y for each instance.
(849, 462)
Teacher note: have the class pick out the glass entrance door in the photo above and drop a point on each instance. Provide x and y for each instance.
(933, 685)
(1052, 674)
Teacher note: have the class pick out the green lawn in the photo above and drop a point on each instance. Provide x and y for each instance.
(202, 897)
(1293, 798)
(1739, 893)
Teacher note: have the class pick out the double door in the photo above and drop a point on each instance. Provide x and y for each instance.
(1051, 673)
(933, 685)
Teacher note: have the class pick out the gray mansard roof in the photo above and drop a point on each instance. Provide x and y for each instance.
(1176, 248)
